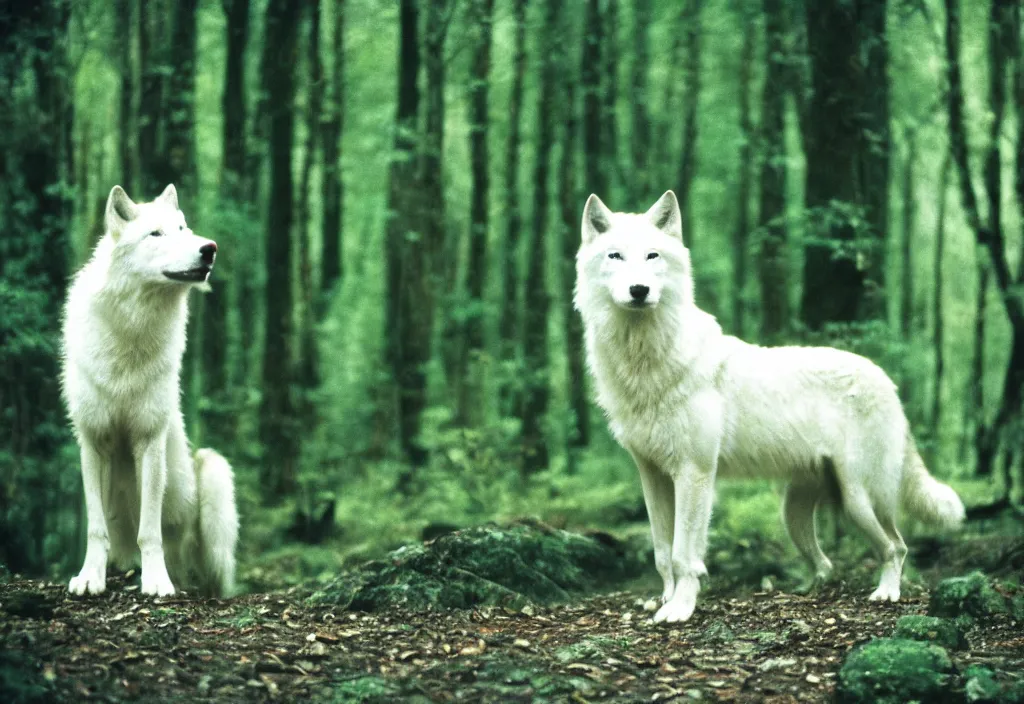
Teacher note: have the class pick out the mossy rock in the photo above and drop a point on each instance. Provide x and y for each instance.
(512, 566)
(981, 686)
(896, 670)
(930, 629)
(971, 595)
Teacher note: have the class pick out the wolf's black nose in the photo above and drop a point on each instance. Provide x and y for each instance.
(639, 292)
(207, 251)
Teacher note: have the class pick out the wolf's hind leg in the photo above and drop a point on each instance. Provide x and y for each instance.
(798, 510)
(93, 577)
(891, 551)
(659, 496)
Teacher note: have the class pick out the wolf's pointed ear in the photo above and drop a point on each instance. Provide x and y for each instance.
(170, 196)
(665, 215)
(597, 219)
(120, 211)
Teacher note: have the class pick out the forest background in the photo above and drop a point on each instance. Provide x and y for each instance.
(390, 350)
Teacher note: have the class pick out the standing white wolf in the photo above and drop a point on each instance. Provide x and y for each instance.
(124, 337)
(690, 403)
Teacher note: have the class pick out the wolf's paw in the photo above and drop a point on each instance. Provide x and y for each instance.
(88, 581)
(676, 611)
(156, 584)
(666, 595)
(885, 592)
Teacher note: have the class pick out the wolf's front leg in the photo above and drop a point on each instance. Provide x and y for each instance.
(694, 491)
(93, 577)
(659, 496)
(151, 457)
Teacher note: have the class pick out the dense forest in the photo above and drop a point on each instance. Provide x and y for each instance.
(390, 359)
(390, 346)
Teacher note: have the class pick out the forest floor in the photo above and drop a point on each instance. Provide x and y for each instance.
(768, 646)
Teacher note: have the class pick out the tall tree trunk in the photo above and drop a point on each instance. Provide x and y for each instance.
(36, 121)
(471, 401)
(773, 254)
(331, 184)
(216, 415)
(640, 143)
(180, 169)
(938, 286)
(278, 469)
(125, 12)
(907, 232)
(535, 328)
(847, 147)
(595, 167)
(509, 325)
(974, 411)
(569, 209)
(309, 366)
(691, 95)
(989, 234)
(152, 109)
(609, 105)
(741, 235)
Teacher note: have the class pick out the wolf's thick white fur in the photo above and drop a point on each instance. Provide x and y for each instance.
(124, 336)
(690, 404)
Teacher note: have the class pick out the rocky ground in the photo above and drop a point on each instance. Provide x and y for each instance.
(297, 645)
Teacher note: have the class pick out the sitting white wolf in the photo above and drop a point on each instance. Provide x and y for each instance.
(124, 337)
(690, 403)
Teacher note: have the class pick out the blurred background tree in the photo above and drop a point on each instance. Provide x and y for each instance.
(390, 344)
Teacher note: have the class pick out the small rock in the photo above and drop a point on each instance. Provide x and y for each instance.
(651, 605)
(776, 664)
(813, 679)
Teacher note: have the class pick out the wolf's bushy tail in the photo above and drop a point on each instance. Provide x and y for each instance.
(218, 523)
(926, 498)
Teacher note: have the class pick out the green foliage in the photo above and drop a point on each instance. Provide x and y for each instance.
(971, 595)
(21, 682)
(511, 566)
(892, 671)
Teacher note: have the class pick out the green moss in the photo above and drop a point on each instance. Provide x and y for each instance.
(980, 686)
(368, 689)
(971, 595)
(508, 566)
(893, 670)
(20, 679)
(931, 629)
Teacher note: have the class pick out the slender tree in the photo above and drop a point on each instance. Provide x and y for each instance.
(611, 55)
(308, 367)
(907, 236)
(217, 420)
(278, 468)
(535, 323)
(125, 11)
(741, 233)
(569, 211)
(938, 286)
(989, 233)
(847, 143)
(640, 143)
(331, 183)
(471, 401)
(773, 269)
(509, 325)
(690, 16)
(152, 68)
(595, 167)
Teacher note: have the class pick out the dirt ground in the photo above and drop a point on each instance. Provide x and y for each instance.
(769, 646)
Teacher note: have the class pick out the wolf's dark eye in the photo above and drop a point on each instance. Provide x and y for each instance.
(652, 255)
(614, 255)
(155, 233)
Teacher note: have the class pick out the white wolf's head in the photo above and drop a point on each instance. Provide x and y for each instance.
(634, 262)
(151, 241)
